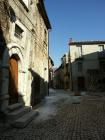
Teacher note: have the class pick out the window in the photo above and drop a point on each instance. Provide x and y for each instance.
(26, 2)
(45, 35)
(18, 32)
(44, 38)
(101, 48)
(80, 66)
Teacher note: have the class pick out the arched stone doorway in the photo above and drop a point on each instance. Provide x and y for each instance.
(13, 54)
(13, 79)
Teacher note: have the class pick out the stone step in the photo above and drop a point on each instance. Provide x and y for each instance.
(24, 120)
(14, 106)
(18, 113)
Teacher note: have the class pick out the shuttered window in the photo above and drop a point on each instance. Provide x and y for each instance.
(18, 32)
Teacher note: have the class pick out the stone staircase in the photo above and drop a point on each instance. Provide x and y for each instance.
(19, 115)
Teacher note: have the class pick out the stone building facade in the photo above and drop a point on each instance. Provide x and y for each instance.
(59, 78)
(87, 65)
(62, 74)
(24, 33)
(51, 72)
(66, 70)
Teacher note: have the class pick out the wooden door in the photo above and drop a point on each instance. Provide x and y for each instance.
(13, 80)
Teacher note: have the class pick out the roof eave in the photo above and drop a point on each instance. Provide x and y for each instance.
(43, 13)
(87, 42)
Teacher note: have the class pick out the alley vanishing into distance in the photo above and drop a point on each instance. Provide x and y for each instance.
(52, 88)
(63, 116)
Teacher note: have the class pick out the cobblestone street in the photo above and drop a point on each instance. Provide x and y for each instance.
(71, 121)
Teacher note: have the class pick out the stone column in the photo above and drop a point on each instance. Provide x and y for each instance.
(4, 97)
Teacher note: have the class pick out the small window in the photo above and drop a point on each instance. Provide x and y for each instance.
(26, 2)
(18, 32)
(45, 35)
(80, 66)
(101, 48)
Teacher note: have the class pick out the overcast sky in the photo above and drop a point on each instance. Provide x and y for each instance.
(77, 19)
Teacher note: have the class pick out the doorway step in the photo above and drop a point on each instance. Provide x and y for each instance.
(19, 115)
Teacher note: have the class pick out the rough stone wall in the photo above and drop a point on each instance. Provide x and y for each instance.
(41, 53)
(4, 23)
(59, 78)
(66, 71)
(33, 46)
(4, 32)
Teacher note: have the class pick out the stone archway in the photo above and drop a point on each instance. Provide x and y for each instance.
(12, 51)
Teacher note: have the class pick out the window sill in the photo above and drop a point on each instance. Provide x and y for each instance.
(18, 36)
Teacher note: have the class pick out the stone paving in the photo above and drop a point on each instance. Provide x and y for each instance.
(84, 121)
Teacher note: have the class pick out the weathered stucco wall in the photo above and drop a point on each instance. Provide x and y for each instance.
(89, 57)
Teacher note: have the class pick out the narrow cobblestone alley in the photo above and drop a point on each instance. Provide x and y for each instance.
(64, 117)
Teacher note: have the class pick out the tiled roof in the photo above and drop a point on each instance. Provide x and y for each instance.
(86, 42)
